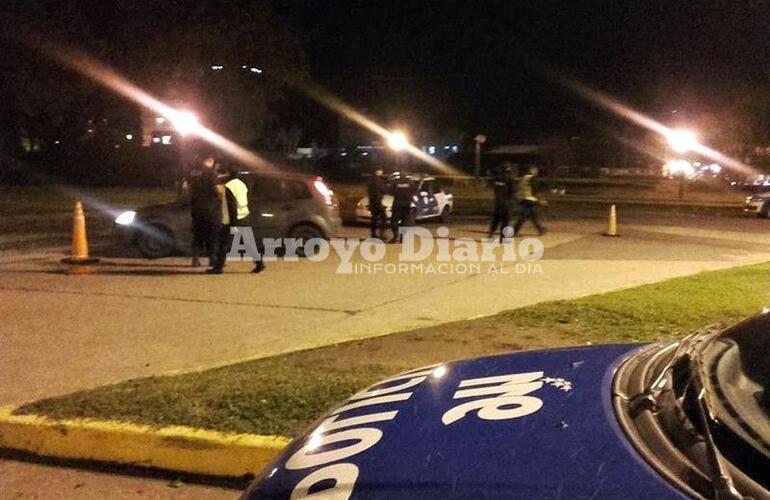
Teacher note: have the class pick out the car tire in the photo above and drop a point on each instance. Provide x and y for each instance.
(445, 214)
(305, 232)
(155, 241)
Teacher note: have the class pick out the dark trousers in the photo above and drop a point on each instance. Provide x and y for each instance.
(206, 237)
(528, 212)
(501, 217)
(379, 220)
(226, 243)
(399, 216)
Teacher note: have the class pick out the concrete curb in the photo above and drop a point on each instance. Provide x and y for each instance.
(178, 448)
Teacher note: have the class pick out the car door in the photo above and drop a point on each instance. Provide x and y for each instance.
(269, 206)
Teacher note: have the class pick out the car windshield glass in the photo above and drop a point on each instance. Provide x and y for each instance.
(738, 374)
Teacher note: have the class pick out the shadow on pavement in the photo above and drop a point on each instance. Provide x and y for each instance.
(238, 484)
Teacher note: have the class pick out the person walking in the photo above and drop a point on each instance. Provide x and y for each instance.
(235, 214)
(376, 190)
(529, 202)
(403, 195)
(204, 210)
(503, 189)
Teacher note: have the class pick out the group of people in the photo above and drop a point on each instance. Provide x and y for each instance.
(507, 190)
(217, 204)
(403, 191)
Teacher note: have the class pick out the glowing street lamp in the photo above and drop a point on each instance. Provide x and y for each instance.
(397, 141)
(681, 140)
(185, 122)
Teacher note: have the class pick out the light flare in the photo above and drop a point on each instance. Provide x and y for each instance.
(618, 108)
(337, 105)
(185, 121)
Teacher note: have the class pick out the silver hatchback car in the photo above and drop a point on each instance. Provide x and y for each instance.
(281, 205)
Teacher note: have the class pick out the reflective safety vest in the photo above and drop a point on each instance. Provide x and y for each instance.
(241, 194)
(524, 191)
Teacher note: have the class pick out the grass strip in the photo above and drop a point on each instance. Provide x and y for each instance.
(283, 394)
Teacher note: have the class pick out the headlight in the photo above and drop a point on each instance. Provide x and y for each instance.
(126, 218)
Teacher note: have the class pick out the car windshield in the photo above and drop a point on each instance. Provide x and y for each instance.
(738, 367)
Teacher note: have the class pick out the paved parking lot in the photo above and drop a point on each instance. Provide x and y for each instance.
(137, 318)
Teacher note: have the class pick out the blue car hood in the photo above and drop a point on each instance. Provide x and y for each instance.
(524, 425)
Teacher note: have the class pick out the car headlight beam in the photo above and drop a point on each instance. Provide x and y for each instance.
(126, 218)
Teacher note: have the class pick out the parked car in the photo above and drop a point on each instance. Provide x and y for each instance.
(281, 206)
(430, 201)
(758, 204)
(686, 419)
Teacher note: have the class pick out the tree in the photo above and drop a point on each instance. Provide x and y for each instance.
(168, 48)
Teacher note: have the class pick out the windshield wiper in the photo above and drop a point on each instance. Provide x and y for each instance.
(722, 481)
(690, 349)
(648, 398)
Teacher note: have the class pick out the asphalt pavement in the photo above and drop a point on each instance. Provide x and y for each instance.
(133, 317)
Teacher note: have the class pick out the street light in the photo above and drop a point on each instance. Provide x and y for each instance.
(479, 140)
(682, 140)
(185, 122)
(397, 141)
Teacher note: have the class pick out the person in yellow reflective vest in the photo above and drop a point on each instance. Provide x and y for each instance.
(529, 202)
(235, 213)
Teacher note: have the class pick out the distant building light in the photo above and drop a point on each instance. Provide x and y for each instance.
(255, 70)
(129, 137)
(446, 147)
(166, 139)
(217, 67)
(57, 142)
(365, 153)
(244, 67)
(344, 153)
(432, 150)
(160, 120)
(90, 131)
(156, 140)
(455, 148)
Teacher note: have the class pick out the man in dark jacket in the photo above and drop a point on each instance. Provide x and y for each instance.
(376, 190)
(205, 210)
(503, 189)
(403, 195)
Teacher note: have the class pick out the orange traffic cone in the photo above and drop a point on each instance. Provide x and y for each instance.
(612, 223)
(79, 239)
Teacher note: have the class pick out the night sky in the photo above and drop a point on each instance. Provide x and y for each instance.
(479, 64)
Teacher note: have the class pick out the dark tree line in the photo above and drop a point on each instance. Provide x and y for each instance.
(57, 121)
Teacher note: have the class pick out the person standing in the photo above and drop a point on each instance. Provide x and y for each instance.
(503, 189)
(234, 213)
(403, 195)
(204, 210)
(376, 189)
(527, 195)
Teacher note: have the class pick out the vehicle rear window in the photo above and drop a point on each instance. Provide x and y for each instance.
(269, 188)
(276, 188)
(300, 191)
